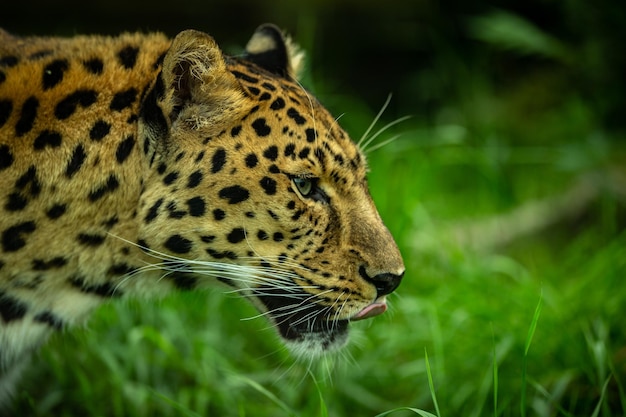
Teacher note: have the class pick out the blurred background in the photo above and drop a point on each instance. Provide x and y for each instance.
(506, 190)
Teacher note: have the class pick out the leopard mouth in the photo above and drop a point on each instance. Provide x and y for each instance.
(297, 318)
(312, 327)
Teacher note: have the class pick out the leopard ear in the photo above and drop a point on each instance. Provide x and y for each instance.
(195, 72)
(269, 49)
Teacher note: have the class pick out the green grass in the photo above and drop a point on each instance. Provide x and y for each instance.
(532, 327)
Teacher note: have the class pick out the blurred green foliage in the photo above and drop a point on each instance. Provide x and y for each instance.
(513, 104)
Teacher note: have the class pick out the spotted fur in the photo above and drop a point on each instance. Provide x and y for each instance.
(139, 165)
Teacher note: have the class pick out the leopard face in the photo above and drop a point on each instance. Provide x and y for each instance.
(270, 183)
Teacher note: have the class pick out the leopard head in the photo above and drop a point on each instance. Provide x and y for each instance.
(251, 181)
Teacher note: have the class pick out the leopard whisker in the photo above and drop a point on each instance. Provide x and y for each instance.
(378, 116)
(382, 130)
(383, 143)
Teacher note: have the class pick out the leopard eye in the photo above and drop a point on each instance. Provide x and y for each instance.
(304, 185)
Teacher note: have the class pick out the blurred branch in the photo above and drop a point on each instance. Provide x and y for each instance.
(530, 218)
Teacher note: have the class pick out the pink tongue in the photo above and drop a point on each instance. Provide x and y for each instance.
(370, 311)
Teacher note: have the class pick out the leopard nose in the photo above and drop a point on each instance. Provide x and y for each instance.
(385, 283)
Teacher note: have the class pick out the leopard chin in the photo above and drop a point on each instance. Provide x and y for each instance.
(309, 329)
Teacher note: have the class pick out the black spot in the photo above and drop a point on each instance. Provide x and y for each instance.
(170, 178)
(13, 237)
(15, 202)
(320, 155)
(207, 239)
(250, 214)
(269, 185)
(252, 110)
(262, 235)
(254, 90)
(278, 237)
(311, 135)
(174, 212)
(99, 130)
(273, 215)
(277, 104)
(128, 56)
(221, 255)
(56, 211)
(218, 161)
(53, 73)
(153, 212)
(6, 157)
(6, 107)
(197, 206)
(11, 309)
(265, 96)
(304, 153)
(111, 185)
(269, 86)
(236, 235)
(183, 281)
(8, 61)
(47, 317)
(124, 149)
(251, 160)
(200, 157)
(194, 179)
(219, 214)
(27, 182)
(290, 149)
(90, 239)
(123, 99)
(291, 205)
(42, 265)
(234, 194)
(47, 138)
(178, 244)
(121, 269)
(234, 132)
(112, 221)
(3, 77)
(76, 161)
(261, 128)
(245, 77)
(271, 153)
(27, 116)
(67, 106)
(29, 177)
(103, 290)
(94, 66)
(297, 117)
(274, 169)
(161, 168)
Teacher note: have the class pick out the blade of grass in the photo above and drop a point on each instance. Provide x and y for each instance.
(323, 408)
(176, 405)
(495, 375)
(431, 384)
(529, 338)
(270, 395)
(414, 410)
(596, 412)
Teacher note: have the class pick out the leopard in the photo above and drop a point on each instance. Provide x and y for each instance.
(140, 165)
